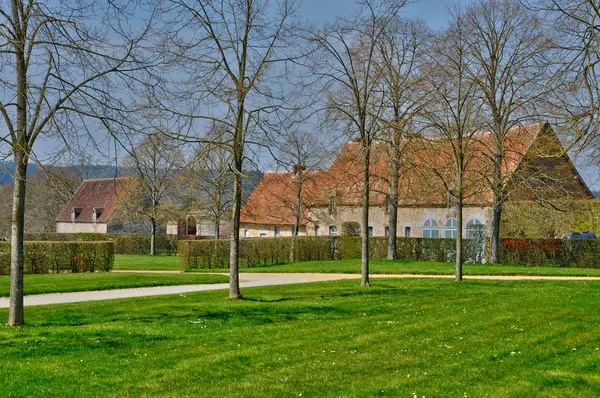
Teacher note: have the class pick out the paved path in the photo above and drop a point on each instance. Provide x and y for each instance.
(248, 280)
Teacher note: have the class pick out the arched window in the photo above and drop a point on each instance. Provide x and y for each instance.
(431, 229)
(450, 228)
(475, 229)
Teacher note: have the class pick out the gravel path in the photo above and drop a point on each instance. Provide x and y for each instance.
(249, 280)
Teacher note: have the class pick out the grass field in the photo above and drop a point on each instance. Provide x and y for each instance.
(399, 338)
(146, 262)
(413, 267)
(53, 283)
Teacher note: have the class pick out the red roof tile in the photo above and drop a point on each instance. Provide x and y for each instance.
(103, 193)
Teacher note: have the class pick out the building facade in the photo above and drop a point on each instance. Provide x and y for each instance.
(535, 167)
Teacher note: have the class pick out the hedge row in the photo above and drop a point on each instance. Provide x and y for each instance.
(53, 257)
(552, 252)
(262, 252)
(125, 243)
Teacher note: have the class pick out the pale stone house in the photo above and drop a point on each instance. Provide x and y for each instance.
(535, 164)
(92, 207)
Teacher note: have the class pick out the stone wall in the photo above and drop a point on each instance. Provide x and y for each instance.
(408, 217)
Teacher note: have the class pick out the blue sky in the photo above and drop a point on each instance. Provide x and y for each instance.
(432, 11)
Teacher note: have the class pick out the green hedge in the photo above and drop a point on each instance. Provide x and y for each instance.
(260, 252)
(552, 252)
(125, 243)
(43, 257)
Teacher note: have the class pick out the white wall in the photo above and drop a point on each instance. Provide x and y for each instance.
(75, 227)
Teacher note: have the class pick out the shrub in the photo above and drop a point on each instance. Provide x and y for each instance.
(260, 252)
(125, 243)
(551, 252)
(61, 256)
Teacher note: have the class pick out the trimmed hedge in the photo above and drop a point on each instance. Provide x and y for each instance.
(552, 252)
(53, 257)
(125, 243)
(260, 252)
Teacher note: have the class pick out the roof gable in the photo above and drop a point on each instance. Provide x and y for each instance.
(103, 194)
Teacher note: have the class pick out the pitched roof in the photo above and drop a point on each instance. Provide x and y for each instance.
(425, 176)
(102, 193)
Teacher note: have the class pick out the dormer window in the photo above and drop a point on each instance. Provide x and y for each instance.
(75, 213)
(96, 213)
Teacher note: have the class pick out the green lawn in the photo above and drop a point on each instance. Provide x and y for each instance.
(412, 337)
(413, 267)
(146, 262)
(54, 283)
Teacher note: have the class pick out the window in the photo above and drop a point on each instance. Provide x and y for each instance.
(475, 229)
(332, 230)
(246, 233)
(407, 232)
(371, 231)
(450, 228)
(278, 231)
(332, 204)
(318, 230)
(431, 229)
(263, 234)
(75, 213)
(387, 231)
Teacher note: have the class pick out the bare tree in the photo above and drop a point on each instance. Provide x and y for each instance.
(348, 51)
(229, 53)
(574, 105)
(56, 61)
(301, 153)
(453, 117)
(400, 55)
(508, 44)
(210, 178)
(157, 163)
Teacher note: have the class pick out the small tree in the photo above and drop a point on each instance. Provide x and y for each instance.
(301, 153)
(157, 163)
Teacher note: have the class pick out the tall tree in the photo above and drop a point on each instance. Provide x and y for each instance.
(453, 116)
(56, 60)
(400, 55)
(229, 54)
(508, 44)
(157, 163)
(347, 66)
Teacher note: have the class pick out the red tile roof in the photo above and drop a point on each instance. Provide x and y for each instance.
(102, 193)
(426, 166)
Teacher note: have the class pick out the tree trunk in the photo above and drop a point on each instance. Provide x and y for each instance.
(495, 235)
(217, 224)
(21, 156)
(459, 225)
(15, 312)
(238, 153)
(364, 279)
(392, 253)
(297, 209)
(153, 236)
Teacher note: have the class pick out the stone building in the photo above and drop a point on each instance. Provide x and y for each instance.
(94, 204)
(535, 167)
